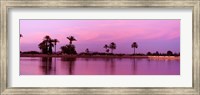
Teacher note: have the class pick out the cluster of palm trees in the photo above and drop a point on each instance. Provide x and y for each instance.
(47, 44)
(111, 46)
(69, 48)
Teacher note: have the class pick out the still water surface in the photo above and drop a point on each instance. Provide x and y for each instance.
(97, 66)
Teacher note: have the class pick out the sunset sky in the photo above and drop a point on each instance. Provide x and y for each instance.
(151, 35)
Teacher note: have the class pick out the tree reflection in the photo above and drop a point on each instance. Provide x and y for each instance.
(106, 60)
(46, 65)
(112, 66)
(70, 64)
(110, 63)
(134, 66)
(86, 59)
(54, 66)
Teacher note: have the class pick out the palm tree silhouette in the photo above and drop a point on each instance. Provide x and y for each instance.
(50, 47)
(46, 45)
(112, 46)
(20, 38)
(47, 39)
(21, 35)
(71, 38)
(42, 46)
(106, 47)
(55, 41)
(87, 51)
(134, 45)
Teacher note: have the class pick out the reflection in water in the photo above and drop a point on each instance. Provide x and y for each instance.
(97, 66)
(134, 66)
(109, 65)
(70, 63)
(112, 66)
(46, 65)
(54, 65)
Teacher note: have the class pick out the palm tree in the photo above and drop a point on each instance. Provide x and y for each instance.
(47, 38)
(112, 46)
(20, 38)
(46, 45)
(42, 47)
(55, 41)
(106, 47)
(71, 38)
(50, 47)
(21, 35)
(87, 51)
(134, 45)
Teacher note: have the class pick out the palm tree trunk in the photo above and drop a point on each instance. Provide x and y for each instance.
(55, 48)
(70, 42)
(46, 49)
(134, 51)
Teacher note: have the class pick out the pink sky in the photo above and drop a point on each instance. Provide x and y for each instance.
(151, 35)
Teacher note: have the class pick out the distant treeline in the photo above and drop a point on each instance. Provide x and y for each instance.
(47, 44)
(30, 52)
(168, 53)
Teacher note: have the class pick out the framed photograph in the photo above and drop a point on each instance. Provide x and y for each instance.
(100, 47)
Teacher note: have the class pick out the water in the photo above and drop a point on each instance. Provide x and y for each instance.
(98, 66)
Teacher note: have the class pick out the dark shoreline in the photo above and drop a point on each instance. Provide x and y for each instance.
(99, 56)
